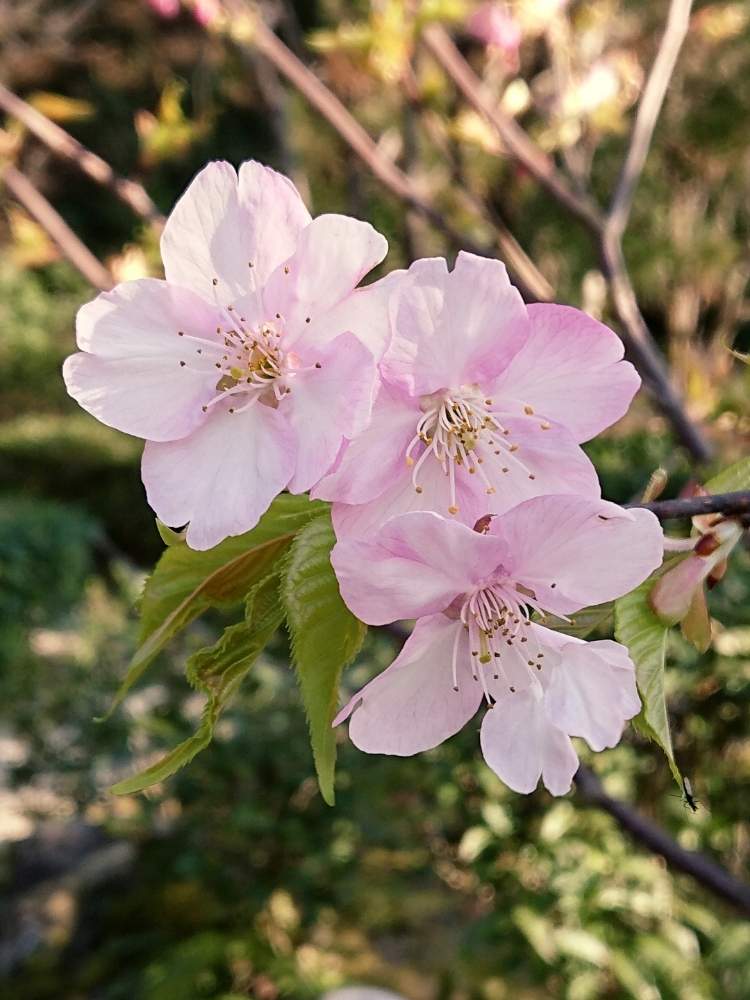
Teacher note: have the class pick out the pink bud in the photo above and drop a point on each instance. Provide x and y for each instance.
(673, 594)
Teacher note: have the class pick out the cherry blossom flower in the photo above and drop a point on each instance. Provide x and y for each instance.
(483, 404)
(495, 26)
(250, 364)
(473, 594)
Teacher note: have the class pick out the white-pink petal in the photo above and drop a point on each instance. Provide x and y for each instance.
(521, 745)
(417, 564)
(147, 361)
(591, 690)
(223, 477)
(591, 550)
(570, 370)
(332, 256)
(412, 705)
(375, 458)
(466, 331)
(328, 404)
(222, 229)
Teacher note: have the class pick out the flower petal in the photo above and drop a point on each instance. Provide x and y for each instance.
(360, 520)
(328, 404)
(466, 326)
(571, 371)
(417, 564)
(591, 689)
(223, 477)
(415, 307)
(375, 459)
(546, 461)
(141, 376)
(521, 745)
(221, 225)
(591, 550)
(365, 313)
(412, 705)
(277, 215)
(333, 254)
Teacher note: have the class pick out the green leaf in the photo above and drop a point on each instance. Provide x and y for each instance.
(187, 582)
(729, 480)
(638, 628)
(325, 638)
(168, 535)
(582, 623)
(218, 671)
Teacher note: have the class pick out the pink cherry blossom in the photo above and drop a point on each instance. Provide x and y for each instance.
(494, 25)
(250, 364)
(483, 402)
(167, 9)
(473, 594)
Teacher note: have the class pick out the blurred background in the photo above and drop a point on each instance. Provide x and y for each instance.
(428, 877)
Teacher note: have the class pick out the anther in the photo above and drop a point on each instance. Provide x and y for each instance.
(318, 364)
(531, 476)
(545, 425)
(180, 333)
(307, 319)
(286, 269)
(182, 364)
(453, 509)
(418, 489)
(529, 410)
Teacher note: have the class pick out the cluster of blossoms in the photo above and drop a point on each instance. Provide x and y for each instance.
(440, 415)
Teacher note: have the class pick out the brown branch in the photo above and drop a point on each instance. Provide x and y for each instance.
(515, 141)
(729, 504)
(59, 142)
(57, 228)
(635, 333)
(701, 868)
(649, 107)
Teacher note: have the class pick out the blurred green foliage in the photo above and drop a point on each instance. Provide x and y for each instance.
(428, 876)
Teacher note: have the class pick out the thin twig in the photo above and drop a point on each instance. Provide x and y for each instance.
(57, 228)
(59, 142)
(705, 871)
(515, 141)
(649, 107)
(729, 504)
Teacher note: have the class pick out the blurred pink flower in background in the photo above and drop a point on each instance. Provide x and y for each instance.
(494, 25)
(165, 8)
(206, 12)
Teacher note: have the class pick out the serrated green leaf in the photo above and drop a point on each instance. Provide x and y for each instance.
(729, 480)
(186, 582)
(325, 638)
(218, 671)
(638, 628)
(582, 623)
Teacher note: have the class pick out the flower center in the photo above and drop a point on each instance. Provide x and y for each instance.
(461, 430)
(253, 366)
(497, 617)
